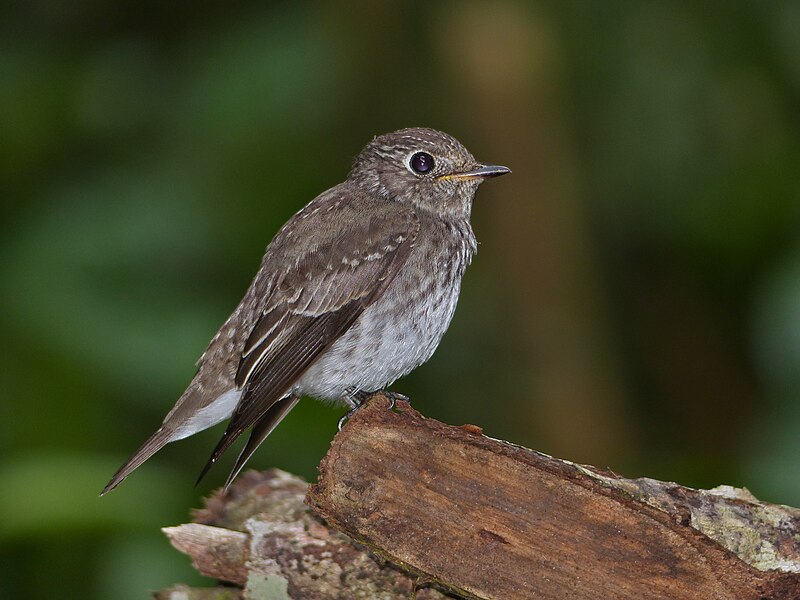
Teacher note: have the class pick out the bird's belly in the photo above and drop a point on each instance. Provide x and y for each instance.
(392, 337)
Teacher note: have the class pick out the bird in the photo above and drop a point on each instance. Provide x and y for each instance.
(353, 292)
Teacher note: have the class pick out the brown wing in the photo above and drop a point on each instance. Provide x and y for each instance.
(329, 283)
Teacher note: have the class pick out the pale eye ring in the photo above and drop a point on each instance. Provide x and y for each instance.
(421, 163)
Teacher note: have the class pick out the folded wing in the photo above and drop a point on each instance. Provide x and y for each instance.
(329, 283)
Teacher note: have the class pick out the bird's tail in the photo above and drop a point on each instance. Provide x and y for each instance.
(153, 444)
(263, 427)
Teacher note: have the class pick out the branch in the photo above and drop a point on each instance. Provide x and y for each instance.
(482, 518)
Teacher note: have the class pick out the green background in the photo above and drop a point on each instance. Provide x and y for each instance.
(635, 302)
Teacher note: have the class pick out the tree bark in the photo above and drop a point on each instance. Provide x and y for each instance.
(406, 503)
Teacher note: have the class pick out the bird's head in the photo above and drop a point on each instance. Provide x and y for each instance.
(424, 167)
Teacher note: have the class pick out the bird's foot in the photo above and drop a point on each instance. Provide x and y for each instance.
(355, 400)
(394, 397)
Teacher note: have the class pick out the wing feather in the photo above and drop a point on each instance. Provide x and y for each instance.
(313, 303)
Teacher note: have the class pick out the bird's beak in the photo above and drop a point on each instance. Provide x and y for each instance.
(480, 172)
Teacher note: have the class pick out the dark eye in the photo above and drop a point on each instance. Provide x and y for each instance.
(421, 162)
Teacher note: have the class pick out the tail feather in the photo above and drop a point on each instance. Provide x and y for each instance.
(263, 427)
(259, 433)
(153, 444)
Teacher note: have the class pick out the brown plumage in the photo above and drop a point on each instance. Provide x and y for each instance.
(354, 291)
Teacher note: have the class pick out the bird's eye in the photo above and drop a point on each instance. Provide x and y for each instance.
(421, 163)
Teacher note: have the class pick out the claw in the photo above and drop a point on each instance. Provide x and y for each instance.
(344, 418)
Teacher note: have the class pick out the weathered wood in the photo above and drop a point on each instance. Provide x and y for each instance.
(482, 518)
(261, 537)
(487, 519)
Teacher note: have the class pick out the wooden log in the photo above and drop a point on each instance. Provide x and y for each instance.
(436, 509)
(487, 519)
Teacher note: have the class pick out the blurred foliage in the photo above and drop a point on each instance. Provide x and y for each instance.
(636, 300)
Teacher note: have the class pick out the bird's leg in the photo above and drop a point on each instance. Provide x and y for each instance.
(354, 399)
